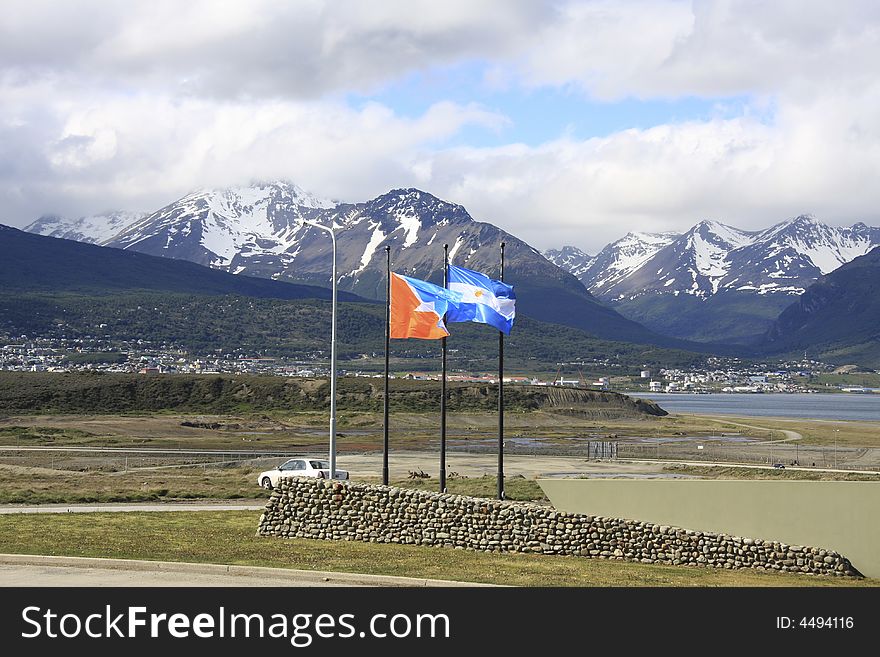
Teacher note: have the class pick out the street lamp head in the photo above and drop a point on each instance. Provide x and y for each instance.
(317, 225)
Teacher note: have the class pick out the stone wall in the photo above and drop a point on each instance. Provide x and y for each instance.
(316, 508)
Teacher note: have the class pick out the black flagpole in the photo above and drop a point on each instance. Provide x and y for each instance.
(443, 381)
(387, 351)
(501, 399)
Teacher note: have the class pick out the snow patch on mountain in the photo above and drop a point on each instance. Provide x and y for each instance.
(410, 223)
(455, 247)
(830, 255)
(220, 238)
(710, 257)
(375, 240)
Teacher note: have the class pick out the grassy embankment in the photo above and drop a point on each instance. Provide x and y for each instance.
(258, 410)
(48, 393)
(229, 538)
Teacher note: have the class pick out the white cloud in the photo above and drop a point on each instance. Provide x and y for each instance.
(108, 104)
(818, 158)
(671, 48)
(91, 153)
(228, 48)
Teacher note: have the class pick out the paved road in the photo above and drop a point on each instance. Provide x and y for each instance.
(36, 570)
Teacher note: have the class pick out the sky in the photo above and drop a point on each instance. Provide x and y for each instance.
(569, 122)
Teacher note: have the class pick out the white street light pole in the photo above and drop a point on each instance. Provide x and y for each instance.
(332, 355)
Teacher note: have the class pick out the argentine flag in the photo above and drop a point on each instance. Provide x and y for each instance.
(483, 300)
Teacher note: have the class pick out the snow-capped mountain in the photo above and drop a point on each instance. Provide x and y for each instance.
(713, 257)
(716, 282)
(572, 259)
(214, 227)
(790, 256)
(613, 263)
(261, 230)
(94, 229)
(693, 263)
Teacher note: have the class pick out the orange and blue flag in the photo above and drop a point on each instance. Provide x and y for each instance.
(417, 308)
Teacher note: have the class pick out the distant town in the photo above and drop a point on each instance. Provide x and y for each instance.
(716, 375)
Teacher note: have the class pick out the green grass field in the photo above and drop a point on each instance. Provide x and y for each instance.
(230, 538)
(20, 485)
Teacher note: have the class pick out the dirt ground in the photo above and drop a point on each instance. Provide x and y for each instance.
(537, 444)
(478, 465)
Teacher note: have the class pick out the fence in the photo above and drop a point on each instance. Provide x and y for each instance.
(689, 449)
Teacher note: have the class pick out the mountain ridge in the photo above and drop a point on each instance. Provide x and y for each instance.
(715, 256)
(716, 282)
(36, 263)
(92, 229)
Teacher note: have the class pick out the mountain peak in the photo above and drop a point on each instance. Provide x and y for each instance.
(640, 237)
(414, 196)
(412, 192)
(714, 231)
(712, 257)
(568, 251)
(571, 259)
(261, 191)
(415, 209)
(94, 229)
(799, 224)
(712, 225)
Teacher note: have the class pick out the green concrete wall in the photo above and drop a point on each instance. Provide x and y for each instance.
(838, 515)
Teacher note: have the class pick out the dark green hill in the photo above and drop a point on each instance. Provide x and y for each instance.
(26, 392)
(300, 328)
(742, 317)
(34, 263)
(837, 319)
(61, 289)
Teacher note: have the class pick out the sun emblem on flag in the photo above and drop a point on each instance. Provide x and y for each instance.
(478, 293)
